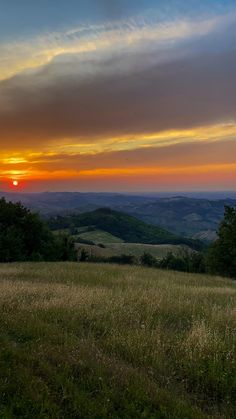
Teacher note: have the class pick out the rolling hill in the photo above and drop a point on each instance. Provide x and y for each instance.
(196, 216)
(123, 226)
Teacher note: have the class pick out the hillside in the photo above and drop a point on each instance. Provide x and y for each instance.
(115, 342)
(98, 236)
(121, 225)
(191, 216)
(158, 251)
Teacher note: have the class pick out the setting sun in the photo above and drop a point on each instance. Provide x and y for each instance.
(15, 183)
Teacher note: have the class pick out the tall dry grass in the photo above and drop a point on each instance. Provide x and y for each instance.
(83, 340)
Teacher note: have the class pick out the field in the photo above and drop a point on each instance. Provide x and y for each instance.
(102, 341)
(136, 249)
(99, 236)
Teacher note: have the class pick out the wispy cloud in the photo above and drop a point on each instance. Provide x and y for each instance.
(130, 35)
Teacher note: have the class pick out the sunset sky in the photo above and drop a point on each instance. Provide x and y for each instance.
(118, 95)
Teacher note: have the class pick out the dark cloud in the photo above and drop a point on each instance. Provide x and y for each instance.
(56, 103)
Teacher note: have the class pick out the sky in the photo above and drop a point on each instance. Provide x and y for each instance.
(117, 95)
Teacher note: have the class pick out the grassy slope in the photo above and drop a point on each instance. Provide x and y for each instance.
(129, 229)
(95, 341)
(136, 249)
(99, 236)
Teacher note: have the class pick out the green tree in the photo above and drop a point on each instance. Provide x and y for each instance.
(221, 258)
(65, 247)
(84, 256)
(24, 236)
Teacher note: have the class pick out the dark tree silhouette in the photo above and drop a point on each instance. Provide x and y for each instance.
(24, 236)
(222, 254)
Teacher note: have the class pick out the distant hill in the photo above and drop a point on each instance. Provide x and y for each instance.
(49, 203)
(196, 218)
(185, 216)
(123, 226)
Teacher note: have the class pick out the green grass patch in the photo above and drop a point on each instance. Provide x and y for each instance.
(100, 236)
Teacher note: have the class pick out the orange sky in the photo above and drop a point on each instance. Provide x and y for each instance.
(126, 105)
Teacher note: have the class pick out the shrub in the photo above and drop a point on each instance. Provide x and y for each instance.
(148, 260)
(122, 259)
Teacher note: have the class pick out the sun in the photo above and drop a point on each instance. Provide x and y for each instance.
(15, 183)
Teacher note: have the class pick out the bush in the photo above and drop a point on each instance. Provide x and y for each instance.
(148, 260)
(122, 259)
(172, 262)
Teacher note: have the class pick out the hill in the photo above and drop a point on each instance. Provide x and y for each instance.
(196, 216)
(89, 341)
(123, 226)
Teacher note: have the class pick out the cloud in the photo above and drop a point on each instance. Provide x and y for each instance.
(129, 80)
(98, 40)
(176, 156)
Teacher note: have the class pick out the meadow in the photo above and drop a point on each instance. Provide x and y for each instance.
(158, 251)
(104, 341)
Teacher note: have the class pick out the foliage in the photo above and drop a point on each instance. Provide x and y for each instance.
(84, 256)
(185, 262)
(123, 259)
(222, 254)
(24, 236)
(65, 247)
(148, 260)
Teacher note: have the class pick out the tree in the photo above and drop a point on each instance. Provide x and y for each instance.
(24, 236)
(65, 247)
(221, 258)
(84, 256)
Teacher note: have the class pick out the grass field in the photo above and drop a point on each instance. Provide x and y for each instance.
(99, 236)
(136, 249)
(102, 341)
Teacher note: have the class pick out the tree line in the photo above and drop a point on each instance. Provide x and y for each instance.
(25, 237)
